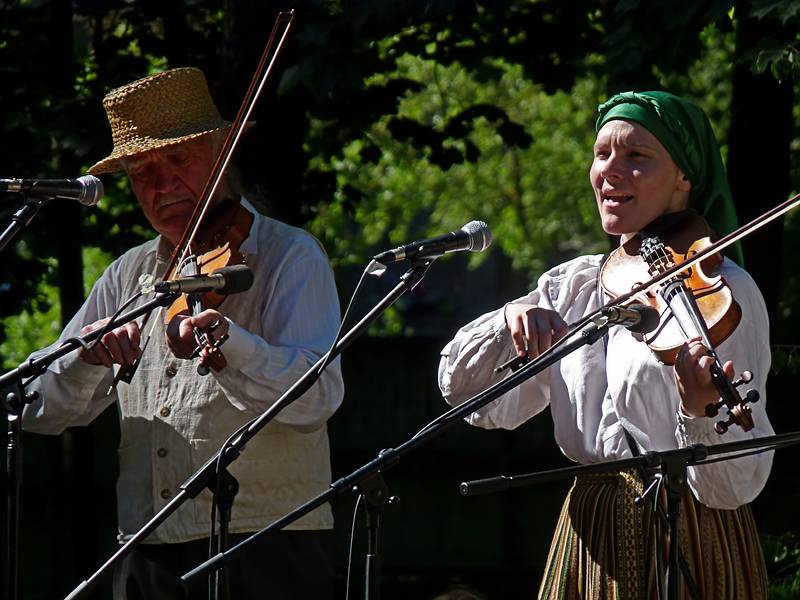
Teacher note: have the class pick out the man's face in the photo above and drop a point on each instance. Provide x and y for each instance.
(168, 182)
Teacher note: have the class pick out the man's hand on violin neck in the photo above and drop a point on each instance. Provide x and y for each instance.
(693, 377)
(180, 333)
(119, 346)
(533, 329)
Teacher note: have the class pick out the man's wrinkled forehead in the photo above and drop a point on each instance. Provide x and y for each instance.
(173, 150)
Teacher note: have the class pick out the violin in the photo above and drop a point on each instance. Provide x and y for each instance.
(691, 303)
(730, 400)
(216, 246)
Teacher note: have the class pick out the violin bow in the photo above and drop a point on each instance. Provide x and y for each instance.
(183, 247)
(720, 244)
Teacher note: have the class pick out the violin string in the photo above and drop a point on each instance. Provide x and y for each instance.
(238, 127)
(716, 247)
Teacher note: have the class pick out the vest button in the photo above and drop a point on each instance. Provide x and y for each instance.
(165, 494)
(172, 370)
(162, 452)
(165, 411)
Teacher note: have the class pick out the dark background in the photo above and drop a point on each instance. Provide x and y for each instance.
(57, 60)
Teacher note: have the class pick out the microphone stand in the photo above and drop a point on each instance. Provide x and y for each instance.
(24, 215)
(207, 473)
(14, 402)
(365, 477)
(673, 465)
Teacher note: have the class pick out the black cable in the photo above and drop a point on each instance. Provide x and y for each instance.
(228, 442)
(350, 548)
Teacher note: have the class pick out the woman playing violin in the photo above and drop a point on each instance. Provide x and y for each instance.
(655, 157)
(167, 133)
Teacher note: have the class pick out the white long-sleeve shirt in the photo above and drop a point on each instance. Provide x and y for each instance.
(173, 420)
(595, 391)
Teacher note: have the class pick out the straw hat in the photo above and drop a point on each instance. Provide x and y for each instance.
(157, 111)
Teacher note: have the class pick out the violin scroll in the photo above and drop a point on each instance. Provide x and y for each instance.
(692, 303)
(739, 413)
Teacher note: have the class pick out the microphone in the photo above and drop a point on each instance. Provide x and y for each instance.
(637, 317)
(87, 189)
(475, 236)
(227, 280)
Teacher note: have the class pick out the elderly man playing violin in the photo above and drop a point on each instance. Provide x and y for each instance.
(656, 165)
(167, 133)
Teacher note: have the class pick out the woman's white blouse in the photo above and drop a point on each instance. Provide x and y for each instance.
(617, 382)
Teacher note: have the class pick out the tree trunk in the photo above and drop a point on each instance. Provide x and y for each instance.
(758, 156)
(67, 214)
(76, 458)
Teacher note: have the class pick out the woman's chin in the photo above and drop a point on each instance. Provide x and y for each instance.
(621, 226)
(614, 226)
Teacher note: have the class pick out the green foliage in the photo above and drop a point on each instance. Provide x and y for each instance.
(638, 36)
(778, 53)
(436, 112)
(782, 555)
(33, 328)
(781, 9)
(39, 326)
(707, 80)
(521, 166)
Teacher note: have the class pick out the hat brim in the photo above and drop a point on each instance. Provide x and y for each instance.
(113, 162)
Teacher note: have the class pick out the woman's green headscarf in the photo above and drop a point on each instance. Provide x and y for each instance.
(683, 129)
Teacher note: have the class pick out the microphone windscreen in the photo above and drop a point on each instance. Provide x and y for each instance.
(480, 235)
(650, 318)
(238, 278)
(92, 190)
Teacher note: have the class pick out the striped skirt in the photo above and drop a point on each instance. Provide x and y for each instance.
(605, 546)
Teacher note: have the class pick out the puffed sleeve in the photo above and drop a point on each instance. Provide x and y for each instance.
(729, 484)
(71, 391)
(468, 361)
(302, 318)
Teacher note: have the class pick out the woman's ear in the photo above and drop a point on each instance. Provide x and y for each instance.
(684, 185)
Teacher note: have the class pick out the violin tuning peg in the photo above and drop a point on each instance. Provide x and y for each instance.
(722, 426)
(752, 396)
(712, 410)
(745, 377)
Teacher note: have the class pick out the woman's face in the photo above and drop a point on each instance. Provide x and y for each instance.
(634, 178)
